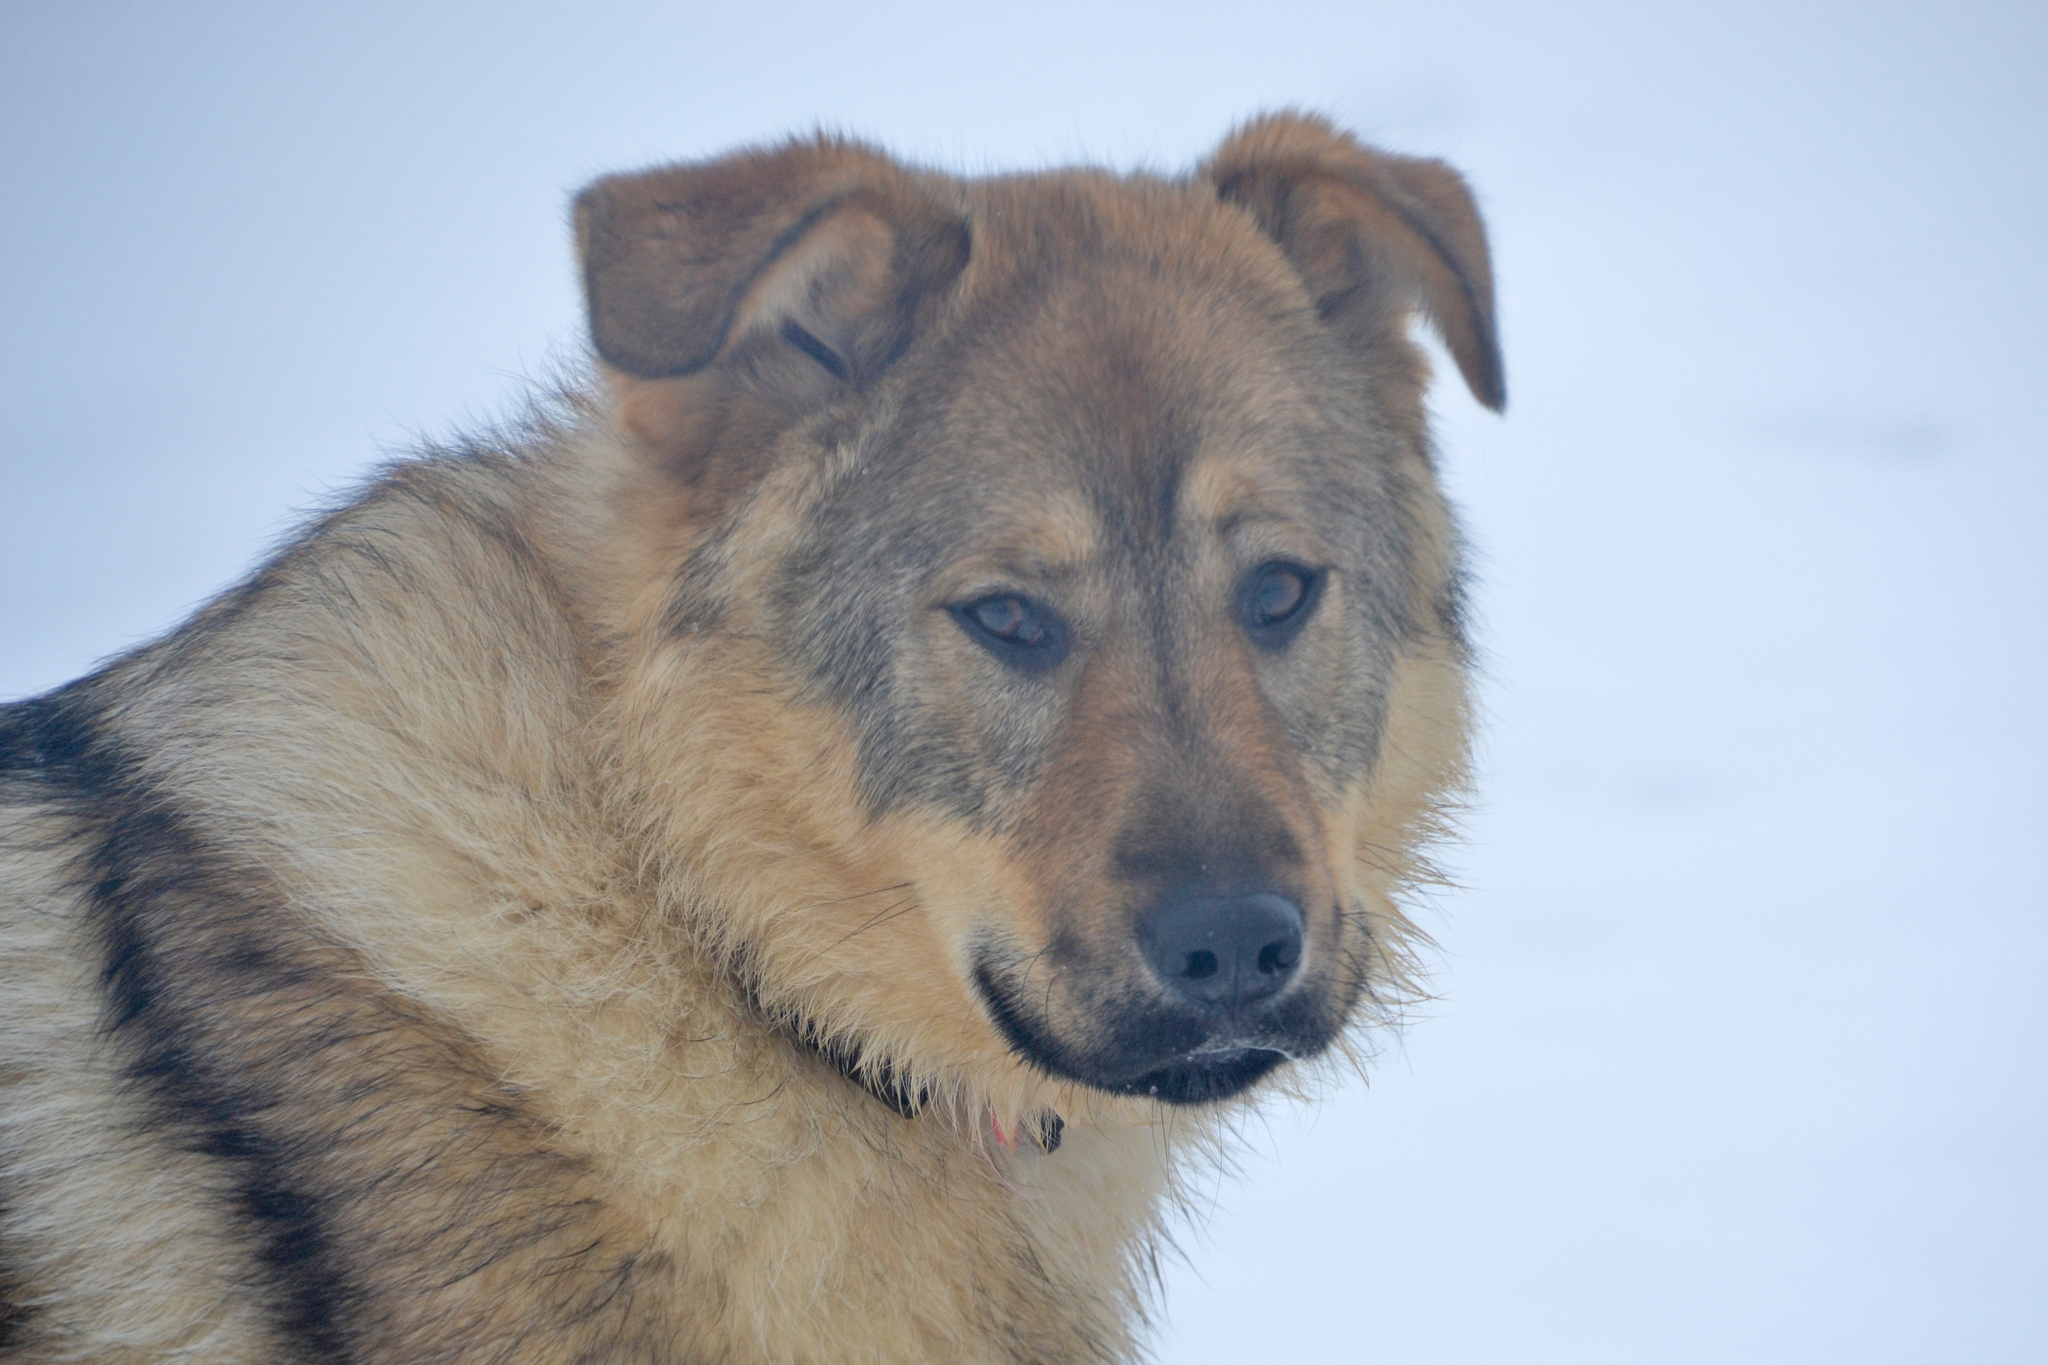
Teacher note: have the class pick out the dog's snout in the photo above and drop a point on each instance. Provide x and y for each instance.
(1222, 952)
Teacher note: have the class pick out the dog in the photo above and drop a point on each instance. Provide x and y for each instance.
(794, 850)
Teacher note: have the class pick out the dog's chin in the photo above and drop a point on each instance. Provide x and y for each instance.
(1203, 1077)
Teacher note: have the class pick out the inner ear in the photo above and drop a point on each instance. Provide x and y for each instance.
(820, 318)
(1372, 235)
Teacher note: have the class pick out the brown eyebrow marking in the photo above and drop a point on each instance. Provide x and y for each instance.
(1036, 570)
(1242, 516)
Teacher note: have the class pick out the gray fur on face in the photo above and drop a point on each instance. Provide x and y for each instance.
(1113, 414)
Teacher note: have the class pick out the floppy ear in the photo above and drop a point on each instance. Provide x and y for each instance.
(783, 279)
(1372, 234)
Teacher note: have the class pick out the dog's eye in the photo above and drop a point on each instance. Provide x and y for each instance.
(1015, 629)
(1276, 601)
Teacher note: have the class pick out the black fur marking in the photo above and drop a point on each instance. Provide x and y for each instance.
(295, 1249)
(879, 1080)
(843, 1055)
(142, 854)
(41, 738)
(327, 1109)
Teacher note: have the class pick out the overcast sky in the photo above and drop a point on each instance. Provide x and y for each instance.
(1742, 1053)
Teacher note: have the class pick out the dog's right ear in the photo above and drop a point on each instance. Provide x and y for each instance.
(730, 297)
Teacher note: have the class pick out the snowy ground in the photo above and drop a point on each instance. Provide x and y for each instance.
(1742, 1053)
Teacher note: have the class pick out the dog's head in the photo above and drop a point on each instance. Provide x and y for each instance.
(1046, 656)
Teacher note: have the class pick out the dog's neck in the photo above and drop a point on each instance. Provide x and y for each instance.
(878, 1078)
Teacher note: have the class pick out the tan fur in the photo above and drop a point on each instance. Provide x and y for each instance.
(555, 862)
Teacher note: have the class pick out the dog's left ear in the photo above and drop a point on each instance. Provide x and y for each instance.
(1372, 235)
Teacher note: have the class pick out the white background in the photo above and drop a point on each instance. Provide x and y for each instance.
(1742, 1050)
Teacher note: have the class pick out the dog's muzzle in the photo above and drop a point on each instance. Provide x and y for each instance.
(1214, 1001)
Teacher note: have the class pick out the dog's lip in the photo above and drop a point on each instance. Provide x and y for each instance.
(1206, 1075)
(1216, 1066)
(1212, 1054)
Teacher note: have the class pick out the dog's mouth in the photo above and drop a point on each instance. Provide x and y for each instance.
(1201, 1077)
(1152, 1051)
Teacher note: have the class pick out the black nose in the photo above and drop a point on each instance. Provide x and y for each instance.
(1220, 951)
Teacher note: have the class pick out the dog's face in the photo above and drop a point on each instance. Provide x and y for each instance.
(1099, 516)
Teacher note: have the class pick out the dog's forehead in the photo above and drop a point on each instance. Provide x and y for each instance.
(1134, 351)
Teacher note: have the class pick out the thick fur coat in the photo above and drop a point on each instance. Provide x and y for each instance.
(789, 854)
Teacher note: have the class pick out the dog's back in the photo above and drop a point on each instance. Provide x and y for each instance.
(787, 855)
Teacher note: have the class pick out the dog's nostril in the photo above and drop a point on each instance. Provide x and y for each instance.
(1221, 952)
(1279, 956)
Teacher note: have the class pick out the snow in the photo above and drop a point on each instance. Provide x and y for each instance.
(1741, 1051)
